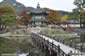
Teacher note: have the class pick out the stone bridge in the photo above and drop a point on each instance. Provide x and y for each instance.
(54, 48)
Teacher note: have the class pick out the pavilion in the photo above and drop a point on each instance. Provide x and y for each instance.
(38, 17)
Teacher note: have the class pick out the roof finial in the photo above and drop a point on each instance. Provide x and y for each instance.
(38, 5)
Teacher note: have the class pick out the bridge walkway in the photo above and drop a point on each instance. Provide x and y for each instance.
(65, 48)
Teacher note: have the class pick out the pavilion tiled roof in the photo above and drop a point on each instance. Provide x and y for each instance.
(39, 10)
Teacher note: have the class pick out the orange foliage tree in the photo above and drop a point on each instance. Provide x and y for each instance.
(7, 8)
(53, 17)
(1, 11)
(24, 17)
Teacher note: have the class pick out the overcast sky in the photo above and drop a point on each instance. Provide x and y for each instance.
(66, 5)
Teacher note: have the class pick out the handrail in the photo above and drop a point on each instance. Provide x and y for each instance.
(57, 48)
(67, 43)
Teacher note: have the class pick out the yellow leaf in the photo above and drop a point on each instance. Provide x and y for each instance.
(64, 18)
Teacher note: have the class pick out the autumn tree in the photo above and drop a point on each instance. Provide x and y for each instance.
(64, 18)
(1, 11)
(8, 15)
(7, 8)
(19, 22)
(83, 14)
(53, 17)
(25, 19)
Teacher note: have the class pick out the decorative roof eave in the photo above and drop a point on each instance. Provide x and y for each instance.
(39, 13)
(38, 19)
(30, 13)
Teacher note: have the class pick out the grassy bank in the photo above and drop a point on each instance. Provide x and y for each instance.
(54, 32)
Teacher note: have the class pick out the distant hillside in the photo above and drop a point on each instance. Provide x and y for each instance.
(18, 6)
(62, 13)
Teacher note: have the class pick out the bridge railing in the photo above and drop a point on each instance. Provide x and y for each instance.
(73, 45)
(60, 50)
(50, 45)
(68, 43)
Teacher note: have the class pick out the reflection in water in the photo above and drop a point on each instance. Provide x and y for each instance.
(23, 54)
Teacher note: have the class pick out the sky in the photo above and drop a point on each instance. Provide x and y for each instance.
(65, 5)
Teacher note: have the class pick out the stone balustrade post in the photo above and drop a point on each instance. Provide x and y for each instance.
(58, 48)
(63, 41)
(52, 45)
(71, 44)
(69, 54)
(81, 48)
